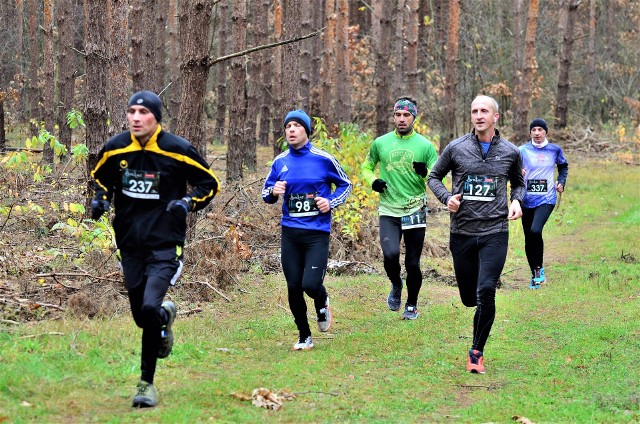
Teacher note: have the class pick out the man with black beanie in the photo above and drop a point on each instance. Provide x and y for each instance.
(145, 172)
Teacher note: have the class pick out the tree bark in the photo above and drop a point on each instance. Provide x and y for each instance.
(150, 65)
(450, 74)
(262, 15)
(382, 69)
(160, 44)
(328, 68)
(117, 62)
(397, 58)
(290, 58)
(195, 20)
(174, 63)
(342, 111)
(518, 44)
(411, 63)
(48, 89)
(317, 18)
(33, 92)
(221, 89)
(276, 120)
(562, 98)
(237, 133)
(66, 70)
(95, 113)
(136, 27)
(305, 54)
(252, 91)
(522, 98)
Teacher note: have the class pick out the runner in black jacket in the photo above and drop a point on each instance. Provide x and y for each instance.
(145, 172)
(481, 163)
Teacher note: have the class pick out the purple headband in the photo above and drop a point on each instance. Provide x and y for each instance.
(404, 104)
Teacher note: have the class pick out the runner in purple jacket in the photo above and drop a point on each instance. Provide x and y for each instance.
(539, 160)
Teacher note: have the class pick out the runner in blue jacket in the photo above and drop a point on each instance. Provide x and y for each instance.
(303, 175)
(539, 160)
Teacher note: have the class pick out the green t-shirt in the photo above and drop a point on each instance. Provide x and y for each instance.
(406, 190)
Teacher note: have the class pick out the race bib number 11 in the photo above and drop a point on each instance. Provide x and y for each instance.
(418, 219)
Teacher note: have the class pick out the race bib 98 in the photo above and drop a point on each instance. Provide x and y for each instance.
(302, 204)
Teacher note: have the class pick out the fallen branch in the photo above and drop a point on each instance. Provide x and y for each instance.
(190, 311)
(213, 61)
(51, 333)
(78, 274)
(214, 289)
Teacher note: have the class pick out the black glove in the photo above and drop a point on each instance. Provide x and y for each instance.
(420, 168)
(379, 185)
(181, 207)
(98, 207)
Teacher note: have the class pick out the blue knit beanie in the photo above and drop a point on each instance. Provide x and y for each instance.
(538, 122)
(150, 100)
(301, 117)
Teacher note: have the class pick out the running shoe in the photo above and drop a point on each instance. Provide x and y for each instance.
(166, 334)
(475, 362)
(303, 344)
(410, 312)
(538, 275)
(325, 318)
(533, 285)
(394, 300)
(146, 395)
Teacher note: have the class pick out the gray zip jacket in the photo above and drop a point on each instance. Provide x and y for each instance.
(482, 180)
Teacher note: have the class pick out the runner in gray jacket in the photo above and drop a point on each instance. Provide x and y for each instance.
(480, 163)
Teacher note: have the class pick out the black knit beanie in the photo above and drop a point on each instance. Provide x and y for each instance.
(150, 100)
(539, 122)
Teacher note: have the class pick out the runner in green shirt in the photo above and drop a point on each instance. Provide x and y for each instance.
(405, 158)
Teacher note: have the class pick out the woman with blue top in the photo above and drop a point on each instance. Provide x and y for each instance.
(539, 159)
(303, 175)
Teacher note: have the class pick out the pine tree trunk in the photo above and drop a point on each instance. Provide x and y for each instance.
(397, 59)
(328, 68)
(262, 15)
(276, 92)
(411, 63)
(95, 113)
(66, 70)
(221, 89)
(237, 108)
(342, 111)
(253, 89)
(305, 54)
(562, 97)
(195, 21)
(174, 63)
(151, 65)
(383, 108)
(450, 74)
(136, 27)
(118, 61)
(48, 89)
(160, 45)
(522, 99)
(33, 93)
(290, 58)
